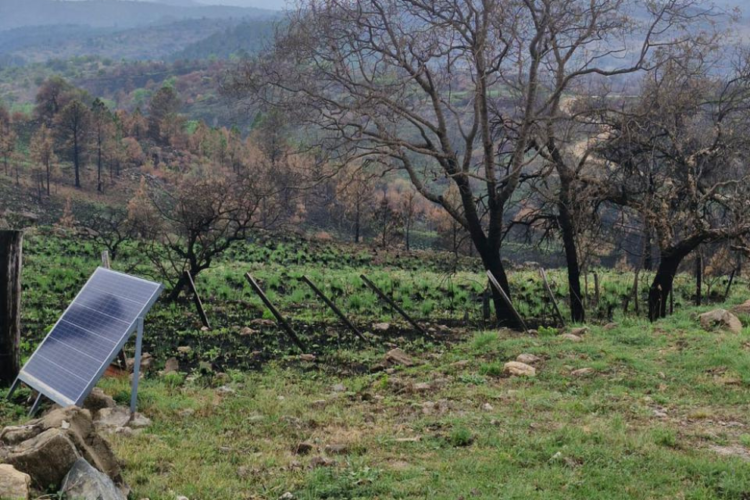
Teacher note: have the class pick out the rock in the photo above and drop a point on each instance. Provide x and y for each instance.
(307, 357)
(263, 322)
(187, 412)
(304, 448)
(487, 407)
(381, 327)
(322, 462)
(743, 308)
(571, 337)
(398, 357)
(17, 434)
(337, 449)
(528, 358)
(460, 364)
(319, 404)
(46, 458)
(111, 419)
(184, 349)
(14, 485)
(180, 497)
(171, 366)
(287, 496)
(421, 387)
(147, 361)
(139, 421)
(205, 329)
(225, 390)
(610, 326)
(580, 331)
(720, 318)
(98, 400)
(339, 388)
(247, 331)
(514, 368)
(582, 372)
(84, 482)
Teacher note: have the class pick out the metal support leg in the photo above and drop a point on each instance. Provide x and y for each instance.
(13, 388)
(35, 406)
(136, 367)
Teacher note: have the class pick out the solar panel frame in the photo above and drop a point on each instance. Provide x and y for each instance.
(57, 396)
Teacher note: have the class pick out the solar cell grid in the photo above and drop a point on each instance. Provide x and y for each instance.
(88, 335)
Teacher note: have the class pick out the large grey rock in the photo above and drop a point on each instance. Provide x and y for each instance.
(98, 400)
(46, 458)
(516, 369)
(14, 485)
(84, 482)
(720, 318)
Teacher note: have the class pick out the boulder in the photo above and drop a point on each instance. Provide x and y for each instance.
(17, 434)
(84, 482)
(171, 366)
(528, 358)
(610, 326)
(381, 327)
(14, 485)
(111, 419)
(720, 318)
(46, 458)
(579, 331)
(98, 400)
(398, 357)
(571, 337)
(516, 369)
(743, 308)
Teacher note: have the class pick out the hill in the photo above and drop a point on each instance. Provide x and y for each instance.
(245, 38)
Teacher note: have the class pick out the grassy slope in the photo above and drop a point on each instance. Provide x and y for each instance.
(641, 426)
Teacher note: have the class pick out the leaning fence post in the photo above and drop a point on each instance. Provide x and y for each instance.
(393, 304)
(197, 300)
(551, 295)
(11, 256)
(333, 307)
(105, 260)
(506, 299)
(286, 326)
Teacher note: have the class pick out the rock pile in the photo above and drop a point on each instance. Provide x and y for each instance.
(64, 451)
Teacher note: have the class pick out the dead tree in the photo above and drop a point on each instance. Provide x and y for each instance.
(11, 243)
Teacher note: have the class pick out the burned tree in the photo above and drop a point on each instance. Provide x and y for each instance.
(450, 91)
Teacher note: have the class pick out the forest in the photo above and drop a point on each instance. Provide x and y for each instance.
(408, 248)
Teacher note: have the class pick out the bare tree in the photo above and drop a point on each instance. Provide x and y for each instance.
(73, 126)
(449, 90)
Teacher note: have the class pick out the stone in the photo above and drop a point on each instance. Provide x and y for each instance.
(84, 482)
(180, 497)
(147, 362)
(421, 387)
(319, 404)
(381, 327)
(487, 407)
(322, 462)
(582, 372)
(579, 331)
(14, 485)
(307, 357)
(225, 390)
(528, 358)
(571, 337)
(304, 448)
(171, 366)
(516, 369)
(460, 364)
(247, 331)
(743, 308)
(184, 349)
(263, 322)
(398, 357)
(287, 496)
(722, 319)
(337, 449)
(610, 326)
(139, 421)
(46, 458)
(98, 400)
(339, 388)
(17, 434)
(111, 419)
(187, 412)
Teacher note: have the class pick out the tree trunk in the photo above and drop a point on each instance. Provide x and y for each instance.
(669, 262)
(178, 287)
(49, 174)
(577, 310)
(76, 162)
(11, 250)
(698, 278)
(493, 263)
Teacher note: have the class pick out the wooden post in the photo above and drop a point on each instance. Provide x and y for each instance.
(197, 300)
(286, 326)
(333, 307)
(597, 294)
(395, 306)
(11, 252)
(729, 285)
(506, 299)
(698, 277)
(105, 260)
(551, 295)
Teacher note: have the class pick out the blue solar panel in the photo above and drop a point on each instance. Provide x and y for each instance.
(88, 336)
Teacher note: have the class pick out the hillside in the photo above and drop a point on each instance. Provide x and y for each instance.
(108, 13)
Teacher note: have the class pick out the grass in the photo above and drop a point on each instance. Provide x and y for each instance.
(644, 424)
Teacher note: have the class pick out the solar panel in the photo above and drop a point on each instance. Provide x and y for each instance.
(88, 336)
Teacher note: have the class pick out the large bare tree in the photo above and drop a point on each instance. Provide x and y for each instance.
(451, 91)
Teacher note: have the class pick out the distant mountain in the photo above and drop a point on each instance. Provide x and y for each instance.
(110, 13)
(246, 38)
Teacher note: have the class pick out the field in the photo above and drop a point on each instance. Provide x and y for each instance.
(635, 411)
